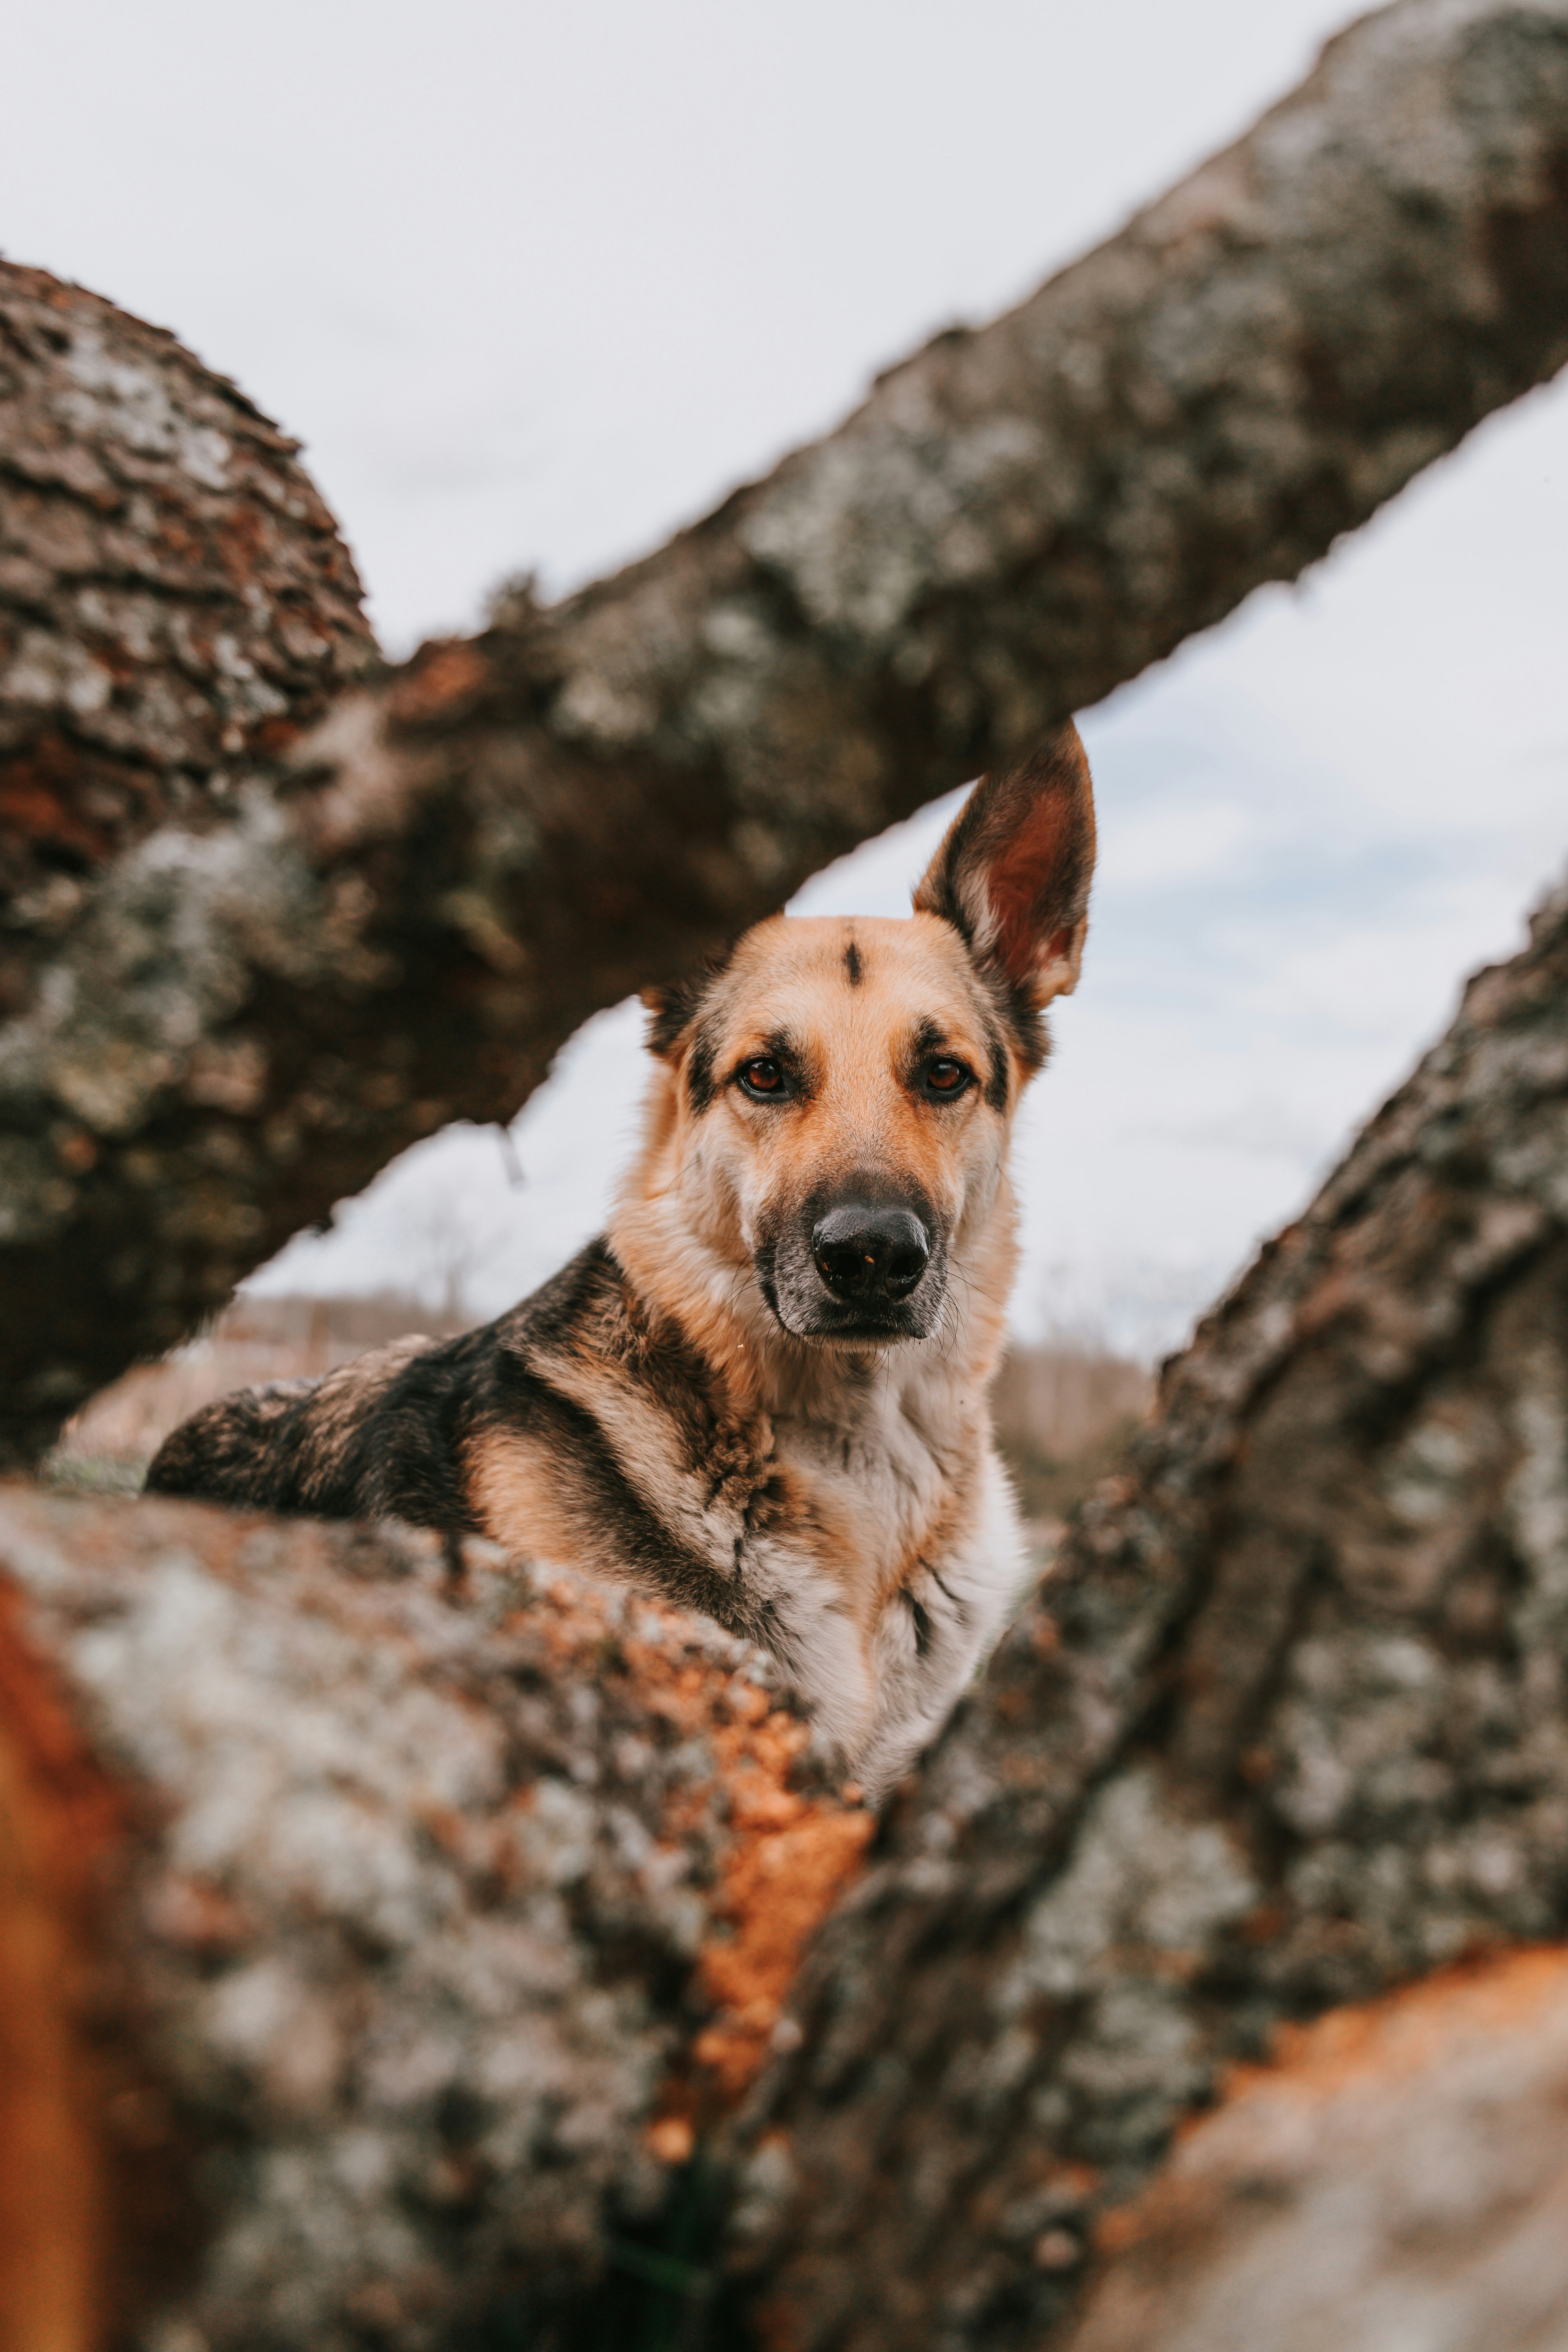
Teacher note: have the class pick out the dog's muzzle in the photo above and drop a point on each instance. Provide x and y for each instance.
(857, 1269)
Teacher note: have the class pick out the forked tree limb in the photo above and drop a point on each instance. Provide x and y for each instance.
(248, 1008)
(384, 1947)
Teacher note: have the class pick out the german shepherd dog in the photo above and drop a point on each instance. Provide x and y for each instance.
(762, 1393)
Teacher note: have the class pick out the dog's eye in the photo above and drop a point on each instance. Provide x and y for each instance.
(945, 1079)
(761, 1080)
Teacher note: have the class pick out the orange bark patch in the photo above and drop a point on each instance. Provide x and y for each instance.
(791, 1856)
(671, 2138)
(57, 1810)
(446, 676)
(1401, 2033)
(50, 2166)
(83, 1808)
(786, 1855)
(779, 1885)
(1405, 2031)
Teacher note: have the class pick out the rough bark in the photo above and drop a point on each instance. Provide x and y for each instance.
(1288, 1726)
(174, 600)
(254, 1009)
(175, 605)
(373, 1945)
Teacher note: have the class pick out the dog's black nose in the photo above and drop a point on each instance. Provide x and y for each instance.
(868, 1253)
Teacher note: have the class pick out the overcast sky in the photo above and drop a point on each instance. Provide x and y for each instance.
(534, 284)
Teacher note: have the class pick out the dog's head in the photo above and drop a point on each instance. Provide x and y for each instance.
(839, 1093)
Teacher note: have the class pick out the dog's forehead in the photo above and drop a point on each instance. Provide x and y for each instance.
(917, 964)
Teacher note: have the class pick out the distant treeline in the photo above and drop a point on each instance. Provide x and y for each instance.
(1062, 1410)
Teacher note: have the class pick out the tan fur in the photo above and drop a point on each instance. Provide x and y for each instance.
(895, 1451)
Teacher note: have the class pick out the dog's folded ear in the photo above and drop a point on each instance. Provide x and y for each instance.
(1013, 869)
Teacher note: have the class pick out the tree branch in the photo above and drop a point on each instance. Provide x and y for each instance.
(373, 1945)
(252, 1011)
(1287, 1727)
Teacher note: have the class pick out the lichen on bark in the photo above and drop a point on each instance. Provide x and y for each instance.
(430, 1922)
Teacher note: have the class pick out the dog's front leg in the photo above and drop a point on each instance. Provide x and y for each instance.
(561, 1493)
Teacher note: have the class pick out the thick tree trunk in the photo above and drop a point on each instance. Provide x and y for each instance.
(1288, 1725)
(248, 1013)
(176, 606)
(373, 1945)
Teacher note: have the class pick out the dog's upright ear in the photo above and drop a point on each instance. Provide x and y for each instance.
(1013, 869)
